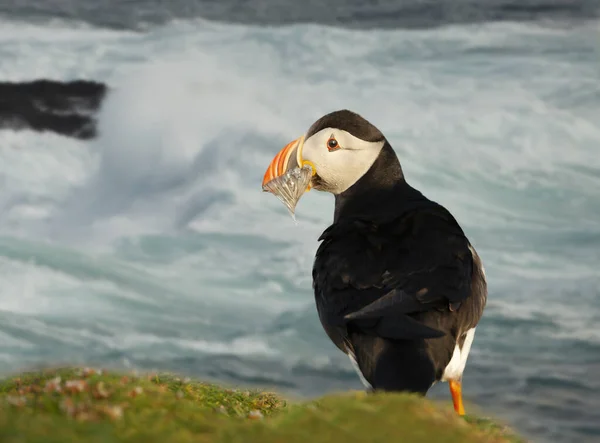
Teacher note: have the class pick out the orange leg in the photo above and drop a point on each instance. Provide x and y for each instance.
(456, 391)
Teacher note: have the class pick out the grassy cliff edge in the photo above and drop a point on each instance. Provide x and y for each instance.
(73, 405)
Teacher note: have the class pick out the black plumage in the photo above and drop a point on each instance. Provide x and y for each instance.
(397, 284)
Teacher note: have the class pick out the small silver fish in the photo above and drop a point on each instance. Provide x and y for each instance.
(290, 186)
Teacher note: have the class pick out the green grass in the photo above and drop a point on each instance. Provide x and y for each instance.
(79, 405)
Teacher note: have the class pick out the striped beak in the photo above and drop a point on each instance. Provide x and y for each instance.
(288, 176)
(288, 158)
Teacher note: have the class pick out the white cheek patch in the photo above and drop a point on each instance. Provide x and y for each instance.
(341, 168)
(344, 168)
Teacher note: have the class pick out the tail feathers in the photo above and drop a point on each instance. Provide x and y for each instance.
(393, 365)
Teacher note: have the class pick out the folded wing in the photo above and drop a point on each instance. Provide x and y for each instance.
(380, 278)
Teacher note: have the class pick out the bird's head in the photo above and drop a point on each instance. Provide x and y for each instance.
(336, 151)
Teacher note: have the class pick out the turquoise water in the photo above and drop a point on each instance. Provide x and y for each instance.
(153, 246)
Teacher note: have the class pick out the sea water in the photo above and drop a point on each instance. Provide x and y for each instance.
(153, 246)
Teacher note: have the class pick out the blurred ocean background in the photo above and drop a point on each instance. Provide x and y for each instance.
(151, 246)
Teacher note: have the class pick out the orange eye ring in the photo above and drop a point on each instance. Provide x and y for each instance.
(332, 144)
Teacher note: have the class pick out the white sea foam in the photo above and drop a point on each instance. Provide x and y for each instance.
(154, 241)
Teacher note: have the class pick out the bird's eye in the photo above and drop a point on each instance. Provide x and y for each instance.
(332, 144)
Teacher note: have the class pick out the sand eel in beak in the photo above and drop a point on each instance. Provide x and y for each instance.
(397, 284)
(288, 176)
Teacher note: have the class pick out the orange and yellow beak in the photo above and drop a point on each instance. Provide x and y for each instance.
(288, 158)
(288, 176)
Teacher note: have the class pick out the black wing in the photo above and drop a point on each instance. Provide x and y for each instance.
(382, 278)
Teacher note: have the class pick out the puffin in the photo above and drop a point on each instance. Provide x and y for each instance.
(398, 287)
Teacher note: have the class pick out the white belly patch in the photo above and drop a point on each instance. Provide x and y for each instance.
(457, 363)
(358, 371)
